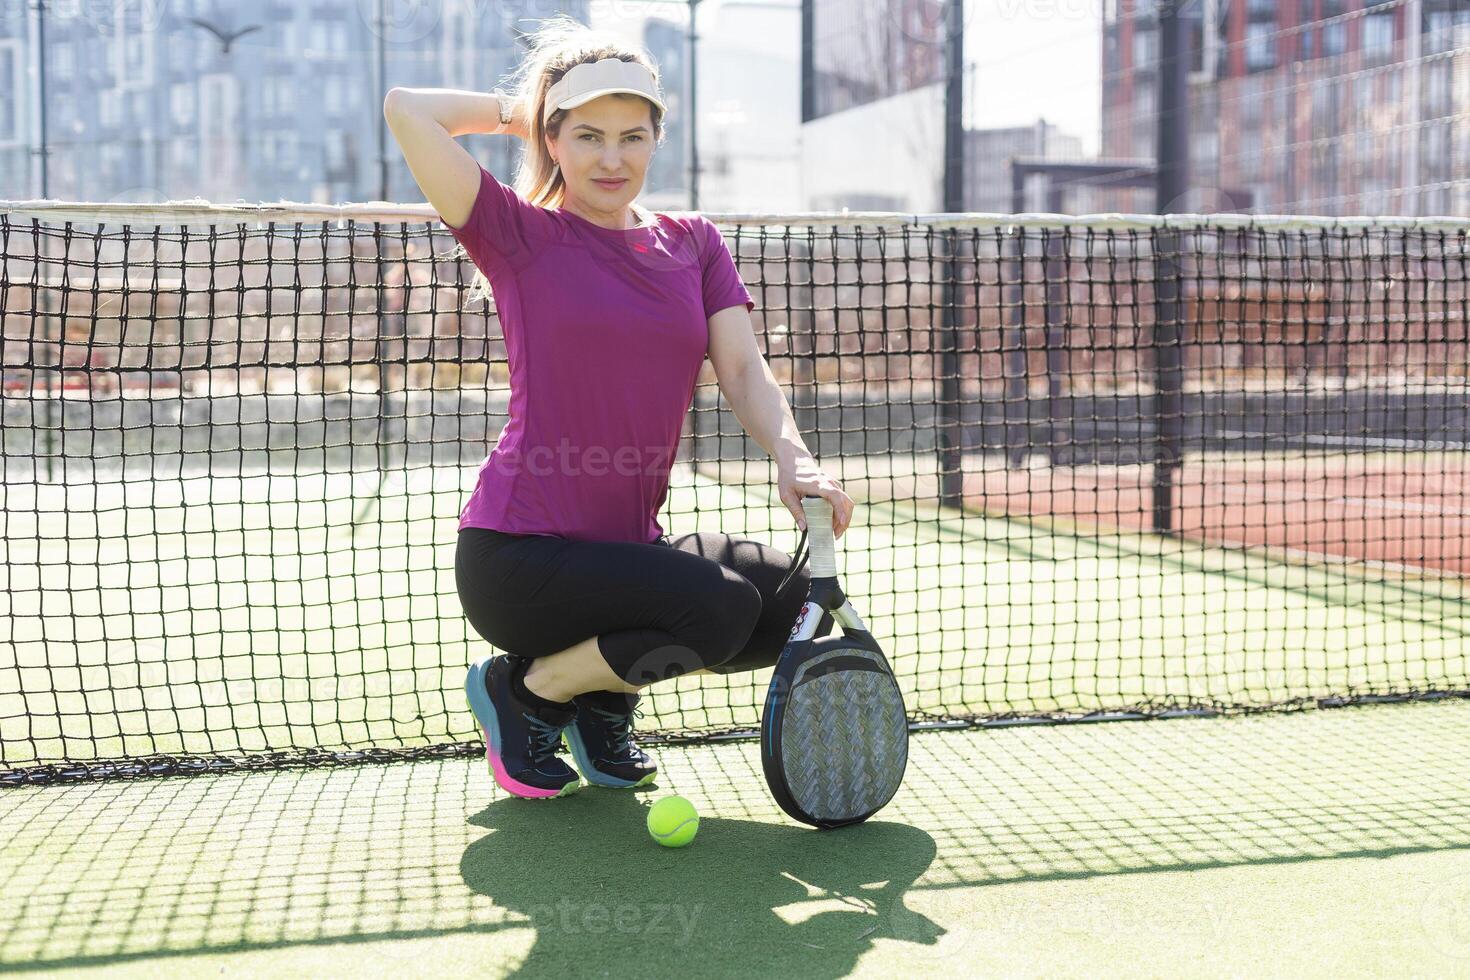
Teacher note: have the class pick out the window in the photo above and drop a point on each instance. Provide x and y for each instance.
(1204, 147)
(181, 103)
(1260, 46)
(1334, 40)
(1439, 26)
(1308, 40)
(10, 90)
(1145, 105)
(1435, 151)
(1248, 149)
(1262, 8)
(62, 63)
(133, 55)
(1378, 36)
(286, 148)
(107, 107)
(179, 53)
(181, 154)
(1324, 104)
(1437, 88)
(336, 149)
(1145, 49)
(332, 95)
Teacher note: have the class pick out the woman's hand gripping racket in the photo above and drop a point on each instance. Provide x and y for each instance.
(835, 735)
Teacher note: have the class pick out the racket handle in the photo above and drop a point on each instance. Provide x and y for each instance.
(823, 549)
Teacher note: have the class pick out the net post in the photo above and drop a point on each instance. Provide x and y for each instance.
(1168, 376)
(1014, 384)
(951, 458)
(1058, 407)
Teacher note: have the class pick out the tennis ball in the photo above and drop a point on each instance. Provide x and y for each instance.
(673, 821)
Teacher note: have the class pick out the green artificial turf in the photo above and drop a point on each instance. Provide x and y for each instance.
(1321, 843)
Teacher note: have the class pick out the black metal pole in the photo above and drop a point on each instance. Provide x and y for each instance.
(951, 456)
(693, 114)
(1172, 176)
(1015, 359)
(383, 317)
(1055, 248)
(43, 151)
(382, 84)
(808, 66)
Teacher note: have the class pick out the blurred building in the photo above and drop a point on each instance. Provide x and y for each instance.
(988, 161)
(667, 183)
(1303, 106)
(228, 101)
(872, 109)
(749, 113)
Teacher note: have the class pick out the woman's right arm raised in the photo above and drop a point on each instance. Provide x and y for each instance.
(425, 122)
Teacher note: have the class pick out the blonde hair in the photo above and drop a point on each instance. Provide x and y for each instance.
(557, 47)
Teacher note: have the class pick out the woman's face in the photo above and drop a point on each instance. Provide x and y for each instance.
(604, 148)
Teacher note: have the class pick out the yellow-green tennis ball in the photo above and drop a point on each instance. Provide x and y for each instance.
(673, 821)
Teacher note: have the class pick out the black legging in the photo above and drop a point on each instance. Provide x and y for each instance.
(658, 610)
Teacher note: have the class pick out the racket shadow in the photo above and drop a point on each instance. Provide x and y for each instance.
(602, 895)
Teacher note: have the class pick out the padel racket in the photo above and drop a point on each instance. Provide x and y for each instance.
(835, 735)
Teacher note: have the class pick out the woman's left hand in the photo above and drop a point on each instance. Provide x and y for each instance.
(805, 478)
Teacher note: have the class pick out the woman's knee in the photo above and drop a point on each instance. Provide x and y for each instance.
(732, 616)
(708, 628)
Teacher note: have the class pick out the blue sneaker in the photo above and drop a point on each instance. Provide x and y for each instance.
(521, 741)
(600, 740)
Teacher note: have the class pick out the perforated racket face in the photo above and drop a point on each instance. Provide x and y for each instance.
(844, 736)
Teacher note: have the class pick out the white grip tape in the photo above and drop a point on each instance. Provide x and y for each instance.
(822, 548)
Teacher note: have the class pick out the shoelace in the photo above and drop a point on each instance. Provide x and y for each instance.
(621, 725)
(545, 738)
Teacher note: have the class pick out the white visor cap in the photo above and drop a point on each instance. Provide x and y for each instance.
(592, 80)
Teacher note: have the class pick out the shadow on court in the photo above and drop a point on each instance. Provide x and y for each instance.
(745, 895)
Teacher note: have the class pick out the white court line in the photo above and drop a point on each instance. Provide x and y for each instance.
(1405, 505)
(1256, 496)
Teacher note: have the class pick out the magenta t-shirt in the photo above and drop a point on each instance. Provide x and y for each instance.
(605, 331)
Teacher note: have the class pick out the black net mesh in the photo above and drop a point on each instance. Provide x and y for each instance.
(1108, 468)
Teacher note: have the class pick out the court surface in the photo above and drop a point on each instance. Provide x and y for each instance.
(1284, 844)
(1326, 843)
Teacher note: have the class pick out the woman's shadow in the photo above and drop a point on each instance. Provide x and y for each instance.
(604, 898)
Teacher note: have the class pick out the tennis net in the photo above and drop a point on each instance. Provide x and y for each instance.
(1108, 467)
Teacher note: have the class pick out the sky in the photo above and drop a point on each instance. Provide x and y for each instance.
(1036, 58)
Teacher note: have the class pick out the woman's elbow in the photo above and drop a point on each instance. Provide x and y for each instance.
(396, 102)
